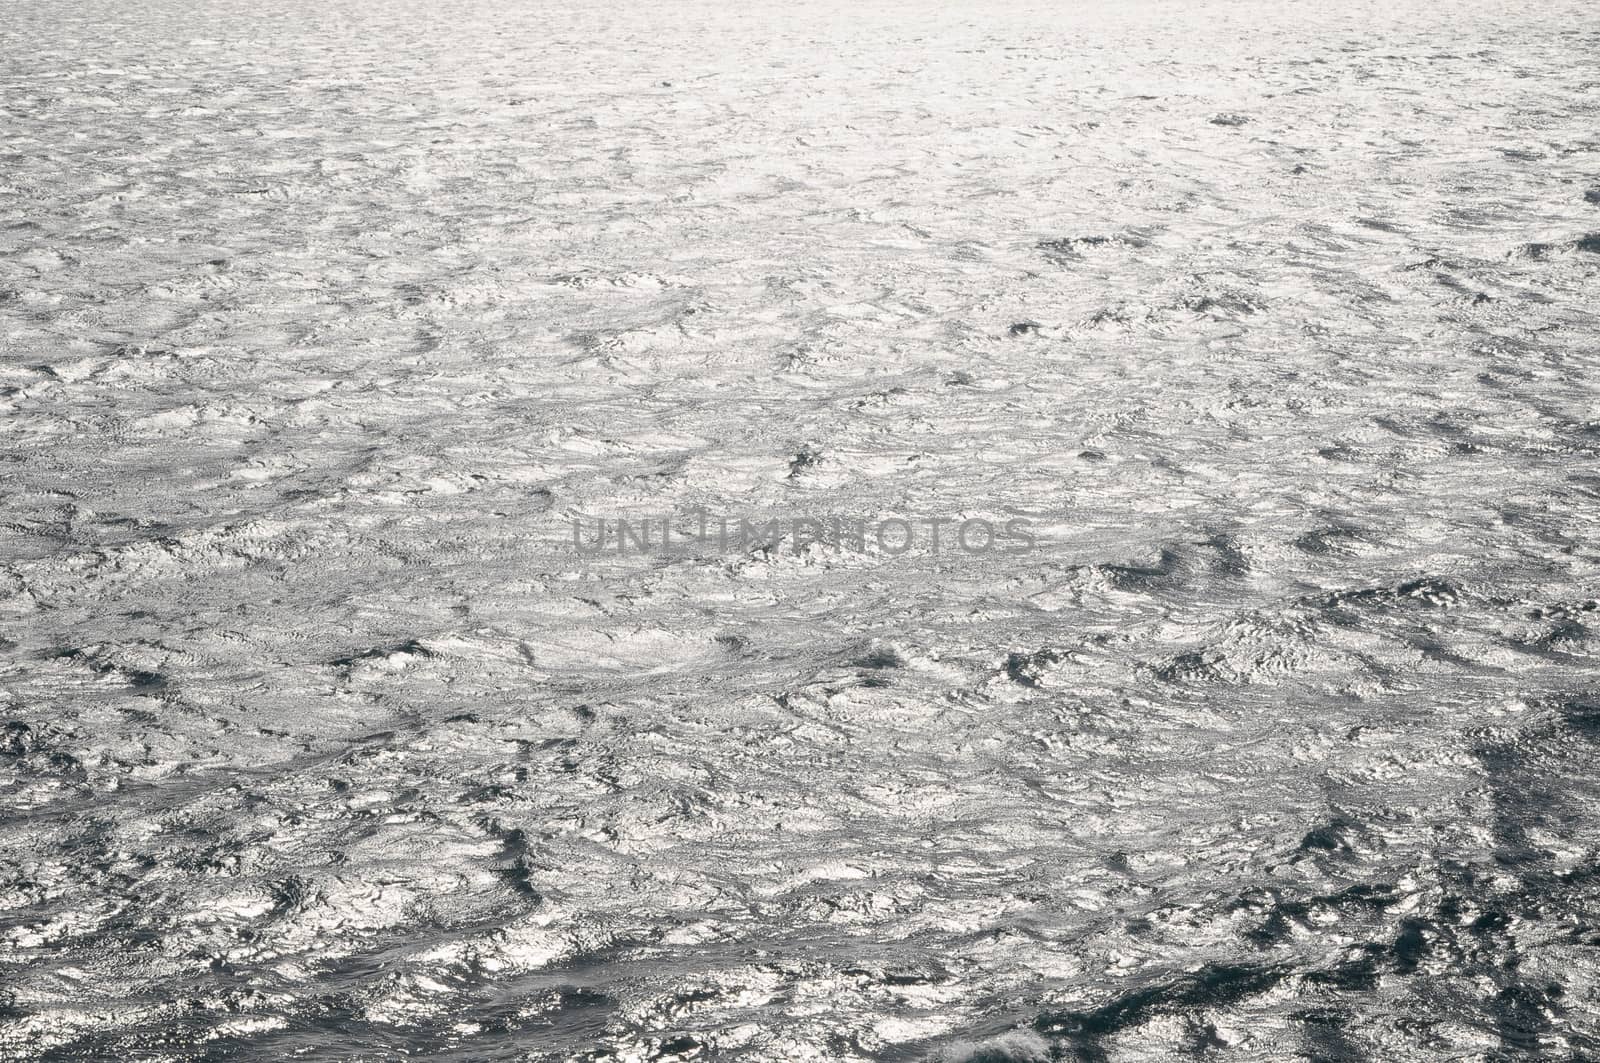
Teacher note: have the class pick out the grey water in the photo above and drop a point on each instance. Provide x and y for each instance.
(322, 325)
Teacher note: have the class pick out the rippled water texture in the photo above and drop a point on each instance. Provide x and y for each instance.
(323, 321)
